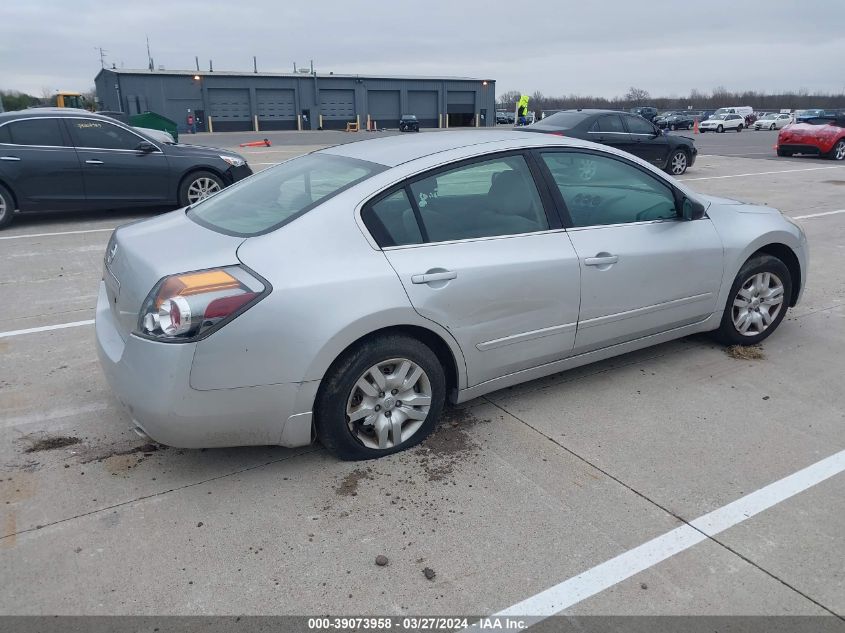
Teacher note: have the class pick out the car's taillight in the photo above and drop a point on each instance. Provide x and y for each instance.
(191, 305)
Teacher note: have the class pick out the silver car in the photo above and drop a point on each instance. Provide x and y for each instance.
(347, 294)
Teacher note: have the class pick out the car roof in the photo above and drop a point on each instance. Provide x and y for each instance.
(396, 150)
(33, 113)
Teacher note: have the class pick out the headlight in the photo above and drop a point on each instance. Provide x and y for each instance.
(234, 161)
(192, 305)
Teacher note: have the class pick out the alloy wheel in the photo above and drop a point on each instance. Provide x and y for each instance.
(389, 403)
(679, 163)
(839, 151)
(201, 189)
(757, 304)
(3, 207)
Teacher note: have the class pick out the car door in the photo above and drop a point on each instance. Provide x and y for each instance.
(115, 172)
(39, 164)
(477, 253)
(647, 142)
(643, 269)
(608, 129)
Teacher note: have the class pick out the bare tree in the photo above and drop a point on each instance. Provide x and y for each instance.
(637, 95)
(507, 100)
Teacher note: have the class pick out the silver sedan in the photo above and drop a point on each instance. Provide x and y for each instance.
(347, 294)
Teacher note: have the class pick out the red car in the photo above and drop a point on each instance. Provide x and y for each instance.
(823, 136)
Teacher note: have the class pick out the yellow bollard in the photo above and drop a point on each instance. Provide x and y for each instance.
(255, 121)
(210, 126)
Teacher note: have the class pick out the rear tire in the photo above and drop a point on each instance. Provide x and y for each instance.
(340, 393)
(7, 207)
(761, 291)
(198, 186)
(739, 129)
(772, 127)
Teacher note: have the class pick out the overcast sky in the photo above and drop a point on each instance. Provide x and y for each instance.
(598, 47)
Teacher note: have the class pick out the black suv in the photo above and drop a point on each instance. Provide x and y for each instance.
(54, 159)
(646, 112)
(409, 123)
(628, 132)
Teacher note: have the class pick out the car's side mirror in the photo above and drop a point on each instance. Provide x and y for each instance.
(145, 147)
(692, 209)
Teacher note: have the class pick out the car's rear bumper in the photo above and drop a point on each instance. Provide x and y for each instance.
(152, 380)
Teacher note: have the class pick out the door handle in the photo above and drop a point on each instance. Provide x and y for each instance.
(446, 275)
(93, 161)
(601, 260)
(9, 158)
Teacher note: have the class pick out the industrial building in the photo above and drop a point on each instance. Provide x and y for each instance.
(230, 101)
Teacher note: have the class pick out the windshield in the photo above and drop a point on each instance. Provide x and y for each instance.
(768, 116)
(280, 194)
(562, 120)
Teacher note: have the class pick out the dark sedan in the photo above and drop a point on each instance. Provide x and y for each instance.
(409, 123)
(55, 159)
(675, 120)
(628, 132)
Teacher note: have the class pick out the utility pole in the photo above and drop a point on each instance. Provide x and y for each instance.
(102, 55)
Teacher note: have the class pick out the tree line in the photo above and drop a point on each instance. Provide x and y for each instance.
(696, 100)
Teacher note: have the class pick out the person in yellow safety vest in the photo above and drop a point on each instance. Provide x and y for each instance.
(522, 109)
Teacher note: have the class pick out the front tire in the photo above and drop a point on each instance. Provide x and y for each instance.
(720, 129)
(677, 163)
(198, 186)
(838, 151)
(7, 207)
(772, 127)
(757, 303)
(739, 129)
(380, 397)
(784, 152)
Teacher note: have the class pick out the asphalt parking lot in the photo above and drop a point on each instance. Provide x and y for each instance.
(516, 497)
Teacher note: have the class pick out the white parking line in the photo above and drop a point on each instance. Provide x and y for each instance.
(817, 215)
(607, 574)
(18, 237)
(762, 173)
(46, 328)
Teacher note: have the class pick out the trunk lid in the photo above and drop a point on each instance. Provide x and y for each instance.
(141, 253)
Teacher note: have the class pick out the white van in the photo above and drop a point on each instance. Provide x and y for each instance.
(743, 111)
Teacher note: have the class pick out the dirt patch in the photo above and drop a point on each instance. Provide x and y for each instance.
(449, 445)
(51, 443)
(146, 449)
(349, 486)
(834, 182)
(745, 352)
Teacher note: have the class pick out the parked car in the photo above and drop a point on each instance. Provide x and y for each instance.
(265, 339)
(646, 112)
(705, 114)
(409, 123)
(822, 136)
(501, 117)
(743, 111)
(681, 120)
(772, 121)
(59, 159)
(810, 113)
(722, 122)
(628, 132)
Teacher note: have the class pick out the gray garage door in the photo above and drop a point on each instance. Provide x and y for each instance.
(384, 107)
(276, 109)
(229, 109)
(337, 108)
(460, 107)
(423, 103)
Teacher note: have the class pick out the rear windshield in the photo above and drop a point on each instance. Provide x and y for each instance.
(562, 120)
(280, 194)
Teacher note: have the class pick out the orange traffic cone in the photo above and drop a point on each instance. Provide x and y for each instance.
(264, 143)
(695, 126)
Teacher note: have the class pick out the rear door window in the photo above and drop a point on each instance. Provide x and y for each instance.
(481, 199)
(44, 132)
(609, 123)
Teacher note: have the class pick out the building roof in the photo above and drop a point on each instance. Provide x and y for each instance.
(230, 73)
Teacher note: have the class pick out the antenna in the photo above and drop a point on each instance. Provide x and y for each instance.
(254, 64)
(102, 55)
(150, 63)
